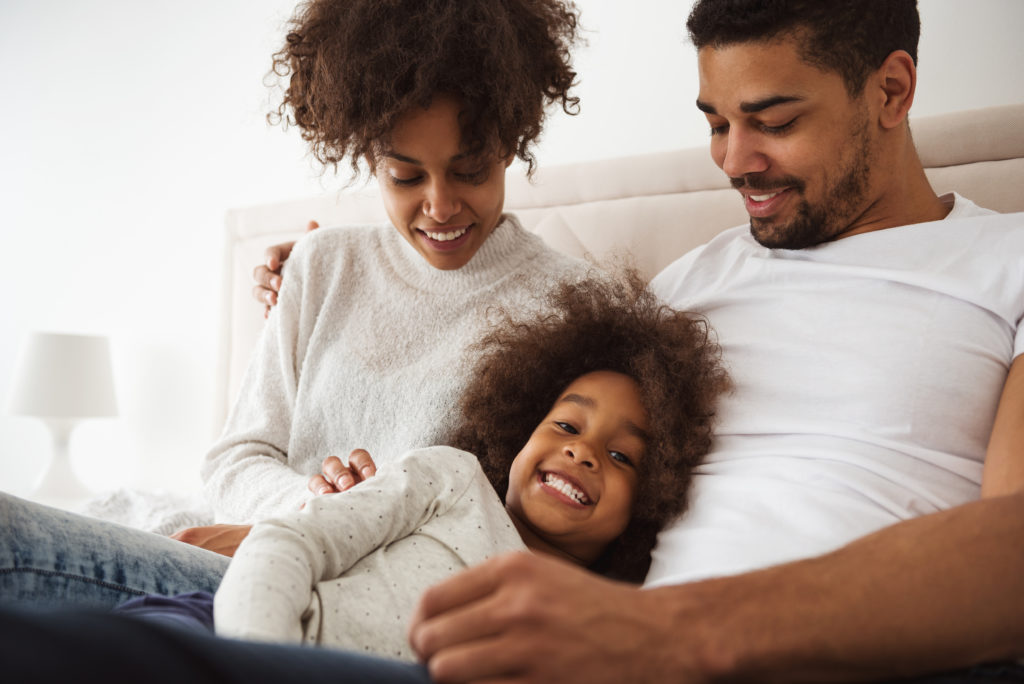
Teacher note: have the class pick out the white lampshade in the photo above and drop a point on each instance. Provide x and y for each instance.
(64, 376)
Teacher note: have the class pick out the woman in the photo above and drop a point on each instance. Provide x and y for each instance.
(367, 348)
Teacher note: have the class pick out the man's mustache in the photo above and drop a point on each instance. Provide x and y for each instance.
(759, 181)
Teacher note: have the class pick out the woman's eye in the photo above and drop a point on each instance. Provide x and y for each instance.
(620, 457)
(402, 182)
(567, 427)
(719, 130)
(475, 177)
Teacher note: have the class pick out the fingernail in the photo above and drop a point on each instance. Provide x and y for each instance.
(366, 471)
(323, 490)
(345, 481)
(277, 282)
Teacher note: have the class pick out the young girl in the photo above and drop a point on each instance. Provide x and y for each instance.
(586, 421)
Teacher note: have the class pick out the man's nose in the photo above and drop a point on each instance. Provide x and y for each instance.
(741, 154)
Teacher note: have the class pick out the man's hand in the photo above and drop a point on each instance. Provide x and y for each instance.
(267, 276)
(336, 477)
(222, 539)
(528, 618)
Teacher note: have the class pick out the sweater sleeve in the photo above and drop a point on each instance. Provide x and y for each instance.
(246, 474)
(270, 581)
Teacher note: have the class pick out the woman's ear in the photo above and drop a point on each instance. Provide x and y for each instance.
(897, 81)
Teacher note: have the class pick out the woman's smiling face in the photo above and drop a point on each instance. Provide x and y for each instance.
(444, 201)
(571, 488)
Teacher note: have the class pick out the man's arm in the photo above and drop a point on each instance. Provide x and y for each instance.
(934, 593)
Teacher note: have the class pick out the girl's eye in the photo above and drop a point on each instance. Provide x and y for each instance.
(402, 182)
(620, 457)
(567, 427)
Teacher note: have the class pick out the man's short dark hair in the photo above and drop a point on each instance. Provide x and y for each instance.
(849, 37)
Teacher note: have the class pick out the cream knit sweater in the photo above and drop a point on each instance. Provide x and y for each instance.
(367, 348)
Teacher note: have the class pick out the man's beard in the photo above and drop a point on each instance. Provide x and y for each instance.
(814, 225)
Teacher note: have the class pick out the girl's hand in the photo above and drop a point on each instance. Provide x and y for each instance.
(336, 477)
(267, 276)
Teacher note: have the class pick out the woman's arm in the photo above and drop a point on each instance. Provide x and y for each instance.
(247, 474)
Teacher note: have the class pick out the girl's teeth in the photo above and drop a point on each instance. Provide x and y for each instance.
(565, 488)
(445, 237)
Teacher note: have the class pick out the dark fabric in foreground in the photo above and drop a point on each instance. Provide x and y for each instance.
(38, 646)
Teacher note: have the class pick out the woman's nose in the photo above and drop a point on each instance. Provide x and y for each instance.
(440, 203)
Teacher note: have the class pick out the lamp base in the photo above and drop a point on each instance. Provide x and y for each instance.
(59, 485)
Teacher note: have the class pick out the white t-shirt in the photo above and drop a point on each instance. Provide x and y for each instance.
(867, 373)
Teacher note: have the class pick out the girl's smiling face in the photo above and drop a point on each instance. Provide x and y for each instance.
(443, 201)
(572, 486)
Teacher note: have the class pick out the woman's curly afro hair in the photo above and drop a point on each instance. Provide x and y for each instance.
(601, 323)
(353, 67)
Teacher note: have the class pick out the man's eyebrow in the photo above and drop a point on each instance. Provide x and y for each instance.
(631, 427)
(755, 106)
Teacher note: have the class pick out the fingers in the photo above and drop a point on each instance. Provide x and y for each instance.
(312, 225)
(276, 255)
(319, 485)
(362, 463)
(458, 609)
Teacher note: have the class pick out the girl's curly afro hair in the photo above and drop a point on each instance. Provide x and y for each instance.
(353, 67)
(601, 323)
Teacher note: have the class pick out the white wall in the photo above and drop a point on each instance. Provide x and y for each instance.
(129, 127)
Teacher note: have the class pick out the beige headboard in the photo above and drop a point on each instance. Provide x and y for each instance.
(654, 206)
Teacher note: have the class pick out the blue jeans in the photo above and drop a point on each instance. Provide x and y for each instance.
(50, 558)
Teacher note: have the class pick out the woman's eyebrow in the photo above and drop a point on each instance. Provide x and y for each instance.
(402, 158)
(391, 154)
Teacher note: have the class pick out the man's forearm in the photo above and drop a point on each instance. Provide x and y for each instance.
(934, 593)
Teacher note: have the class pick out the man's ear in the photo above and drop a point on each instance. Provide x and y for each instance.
(896, 80)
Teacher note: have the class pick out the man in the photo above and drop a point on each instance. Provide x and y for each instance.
(873, 362)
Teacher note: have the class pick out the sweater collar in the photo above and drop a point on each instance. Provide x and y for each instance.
(503, 252)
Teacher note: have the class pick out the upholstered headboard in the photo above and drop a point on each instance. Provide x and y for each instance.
(655, 206)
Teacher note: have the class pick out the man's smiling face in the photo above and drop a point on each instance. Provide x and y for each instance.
(791, 139)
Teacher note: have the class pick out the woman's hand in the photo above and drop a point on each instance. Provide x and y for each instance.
(222, 539)
(336, 477)
(267, 276)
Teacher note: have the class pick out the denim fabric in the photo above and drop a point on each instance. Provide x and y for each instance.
(75, 646)
(50, 557)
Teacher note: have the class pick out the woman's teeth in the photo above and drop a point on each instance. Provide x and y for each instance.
(445, 237)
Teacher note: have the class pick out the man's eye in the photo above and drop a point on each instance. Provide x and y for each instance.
(567, 427)
(620, 457)
(777, 130)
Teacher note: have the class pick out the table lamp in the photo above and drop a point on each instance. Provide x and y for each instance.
(62, 379)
